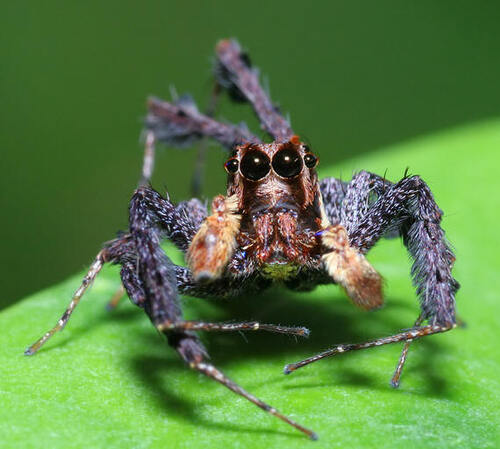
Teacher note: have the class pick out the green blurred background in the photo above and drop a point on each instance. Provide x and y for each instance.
(354, 76)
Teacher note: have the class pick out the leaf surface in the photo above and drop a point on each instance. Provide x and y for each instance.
(109, 380)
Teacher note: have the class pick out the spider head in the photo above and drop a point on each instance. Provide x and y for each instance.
(275, 174)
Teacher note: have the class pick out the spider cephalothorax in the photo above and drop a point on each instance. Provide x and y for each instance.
(274, 219)
(276, 198)
(277, 223)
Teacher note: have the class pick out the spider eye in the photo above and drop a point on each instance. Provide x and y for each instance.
(310, 160)
(255, 165)
(231, 166)
(287, 163)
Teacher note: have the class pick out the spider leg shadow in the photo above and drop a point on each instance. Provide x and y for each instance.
(330, 322)
(154, 372)
(333, 321)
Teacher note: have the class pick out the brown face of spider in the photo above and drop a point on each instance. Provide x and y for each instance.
(272, 175)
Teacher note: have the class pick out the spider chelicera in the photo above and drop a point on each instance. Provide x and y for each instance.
(277, 224)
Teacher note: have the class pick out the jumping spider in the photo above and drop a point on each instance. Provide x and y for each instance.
(277, 224)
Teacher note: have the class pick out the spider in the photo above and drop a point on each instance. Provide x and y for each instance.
(277, 224)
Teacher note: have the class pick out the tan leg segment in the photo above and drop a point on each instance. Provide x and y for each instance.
(231, 327)
(212, 372)
(402, 359)
(410, 335)
(87, 281)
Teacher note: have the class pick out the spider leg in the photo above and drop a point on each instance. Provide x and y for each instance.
(212, 372)
(116, 298)
(181, 123)
(402, 358)
(159, 283)
(231, 327)
(333, 191)
(234, 72)
(199, 168)
(146, 174)
(412, 334)
(94, 270)
(120, 251)
(149, 159)
(408, 205)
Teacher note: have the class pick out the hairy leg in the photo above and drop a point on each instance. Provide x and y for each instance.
(333, 191)
(181, 123)
(94, 270)
(235, 73)
(342, 262)
(410, 206)
(159, 283)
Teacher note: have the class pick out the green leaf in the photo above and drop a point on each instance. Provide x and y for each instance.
(109, 380)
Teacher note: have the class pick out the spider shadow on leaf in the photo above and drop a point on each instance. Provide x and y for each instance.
(154, 371)
(331, 321)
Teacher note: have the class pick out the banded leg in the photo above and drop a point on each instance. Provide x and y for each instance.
(212, 372)
(181, 123)
(159, 284)
(187, 285)
(410, 204)
(402, 358)
(410, 335)
(234, 72)
(231, 327)
(94, 270)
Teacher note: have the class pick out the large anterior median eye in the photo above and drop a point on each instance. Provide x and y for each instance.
(287, 163)
(255, 165)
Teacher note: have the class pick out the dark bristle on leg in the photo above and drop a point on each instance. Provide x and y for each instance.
(181, 123)
(409, 207)
(159, 284)
(235, 73)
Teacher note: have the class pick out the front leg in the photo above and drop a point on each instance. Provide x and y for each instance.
(158, 278)
(181, 123)
(410, 206)
(234, 72)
